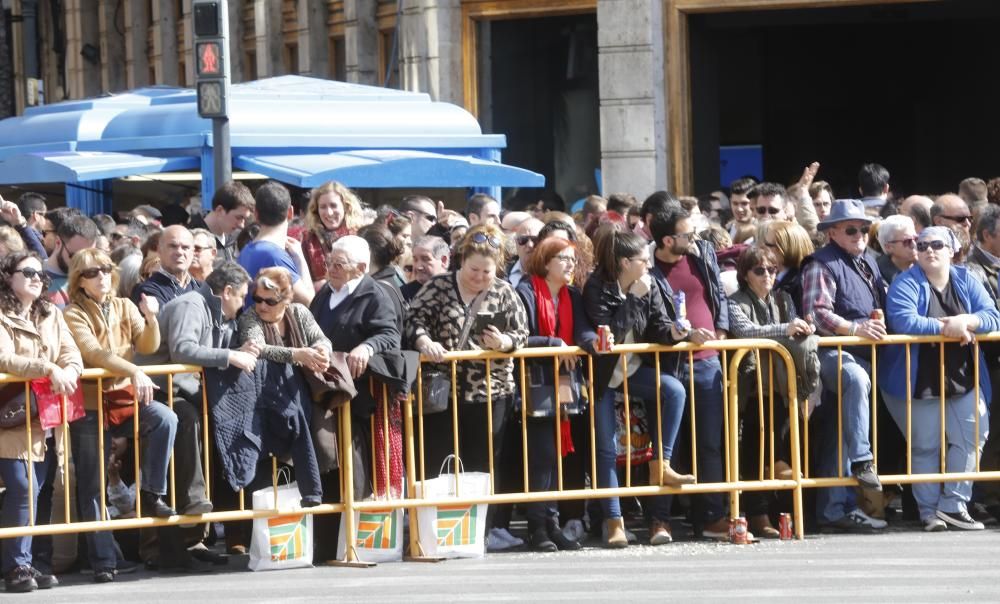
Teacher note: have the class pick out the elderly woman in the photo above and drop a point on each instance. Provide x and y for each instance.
(935, 297)
(555, 318)
(621, 295)
(359, 318)
(898, 239)
(757, 310)
(109, 331)
(333, 211)
(34, 343)
(790, 244)
(438, 315)
(286, 332)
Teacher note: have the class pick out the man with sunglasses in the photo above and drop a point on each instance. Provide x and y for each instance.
(769, 202)
(75, 233)
(525, 236)
(842, 286)
(898, 239)
(951, 210)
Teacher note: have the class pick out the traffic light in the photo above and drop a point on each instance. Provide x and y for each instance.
(211, 34)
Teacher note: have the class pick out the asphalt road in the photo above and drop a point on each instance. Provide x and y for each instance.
(899, 566)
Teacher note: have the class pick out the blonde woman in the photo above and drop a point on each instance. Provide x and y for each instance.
(334, 211)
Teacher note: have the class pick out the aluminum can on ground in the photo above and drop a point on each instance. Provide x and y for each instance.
(785, 527)
(738, 530)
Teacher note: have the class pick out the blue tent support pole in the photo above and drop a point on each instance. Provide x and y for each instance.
(493, 191)
(91, 197)
(207, 177)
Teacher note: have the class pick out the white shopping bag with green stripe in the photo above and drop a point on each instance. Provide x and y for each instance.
(453, 530)
(284, 541)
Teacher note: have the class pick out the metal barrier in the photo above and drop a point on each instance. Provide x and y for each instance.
(414, 445)
(139, 521)
(840, 342)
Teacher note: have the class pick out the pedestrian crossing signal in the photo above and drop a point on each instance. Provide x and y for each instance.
(209, 59)
(211, 98)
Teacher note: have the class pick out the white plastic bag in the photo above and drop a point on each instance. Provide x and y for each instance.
(379, 535)
(284, 541)
(453, 531)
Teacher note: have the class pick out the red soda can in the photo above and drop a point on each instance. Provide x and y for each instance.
(603, 338)
(785, 527)
(878, 315)
(738, 530)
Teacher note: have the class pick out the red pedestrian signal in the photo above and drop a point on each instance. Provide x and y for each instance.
(209, 59)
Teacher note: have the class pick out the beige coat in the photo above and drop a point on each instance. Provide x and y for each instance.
(110, 342)
(28, 350)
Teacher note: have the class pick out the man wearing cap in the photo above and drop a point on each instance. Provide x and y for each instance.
(841, 287)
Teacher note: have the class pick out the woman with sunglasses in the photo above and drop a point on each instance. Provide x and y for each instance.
(109, 331)
(790, 244)
(935, 297)
(333, 211)
(898, 239)
(34, 343)
(435, 322)
(757, 310)
(622, 295)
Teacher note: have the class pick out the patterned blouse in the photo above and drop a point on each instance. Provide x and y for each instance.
(250, 328)
(438, 312)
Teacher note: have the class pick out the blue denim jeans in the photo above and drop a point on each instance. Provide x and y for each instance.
(856, 387)
(16, 551)
(708, 425)
(642, 384)
(963, 446)
(157, 427)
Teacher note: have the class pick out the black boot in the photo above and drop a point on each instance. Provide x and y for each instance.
(153, 505)
(540, 541)
(557, 537)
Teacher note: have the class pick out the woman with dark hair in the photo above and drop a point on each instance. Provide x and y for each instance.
(757, 310)
(555, 318)
(333, 211)
(621, 295)
(385, 250)
(34, 343)
(436, 319)
(110, 330)
(584, 247)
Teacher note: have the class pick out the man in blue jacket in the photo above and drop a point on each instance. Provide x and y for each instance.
(684, 264)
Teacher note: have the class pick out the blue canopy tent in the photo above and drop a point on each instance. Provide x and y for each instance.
(301, 131)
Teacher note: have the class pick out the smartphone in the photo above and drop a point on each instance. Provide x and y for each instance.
(484, 319)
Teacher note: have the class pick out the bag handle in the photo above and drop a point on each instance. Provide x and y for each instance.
(470, 318)
(446, 465)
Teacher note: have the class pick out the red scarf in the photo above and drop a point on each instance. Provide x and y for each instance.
(547, 326)
(546, 311)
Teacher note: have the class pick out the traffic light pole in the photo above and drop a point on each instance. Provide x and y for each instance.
(222, 153)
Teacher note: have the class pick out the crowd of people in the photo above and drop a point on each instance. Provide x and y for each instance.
(293, 315)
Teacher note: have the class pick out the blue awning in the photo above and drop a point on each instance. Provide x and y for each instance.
(81, 166)
(388, 168)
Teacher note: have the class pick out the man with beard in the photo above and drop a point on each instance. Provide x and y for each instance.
(75, 233)
(176, 250)
(684, 264)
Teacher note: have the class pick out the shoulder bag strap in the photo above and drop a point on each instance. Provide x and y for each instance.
(470, 317)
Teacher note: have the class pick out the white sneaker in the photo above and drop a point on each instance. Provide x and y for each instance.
(573, 530)
(865, 519)
(934, 525)
(961, 520)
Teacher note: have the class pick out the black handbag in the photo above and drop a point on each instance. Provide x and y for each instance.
(436, 389)
(540, 399)
(13, 407)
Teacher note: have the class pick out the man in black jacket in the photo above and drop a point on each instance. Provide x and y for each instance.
(684, 265)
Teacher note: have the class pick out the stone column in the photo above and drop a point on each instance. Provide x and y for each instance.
(314, 39)
(632, 96)
(268, 38)
(113, 74)
(431, 45)
(361, 42)
(136, 30)
(164, 55)
(83, 76)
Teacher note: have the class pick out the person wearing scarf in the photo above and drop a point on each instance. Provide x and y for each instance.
(555, 318)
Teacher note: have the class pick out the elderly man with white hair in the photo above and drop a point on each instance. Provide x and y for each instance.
(898, 238)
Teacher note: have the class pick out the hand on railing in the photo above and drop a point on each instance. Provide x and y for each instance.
(700, 335)
(961, 327)
(357, 359)
(144, 387)
(873, 329)
(63, 380)
(431, 349)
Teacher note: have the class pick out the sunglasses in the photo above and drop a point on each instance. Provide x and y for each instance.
(268, 301)
(936, 245)
(760, 271)
(965, 218)
(484, 238)
(851, 231)
(908, 242)
(90, 273)
(768, 210)
(526, 239)
(30, 273)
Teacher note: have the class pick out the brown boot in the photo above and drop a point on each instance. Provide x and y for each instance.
(616, 538)
(667, 475)
(761, 525)
(783, 471)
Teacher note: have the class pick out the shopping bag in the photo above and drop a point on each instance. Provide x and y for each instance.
(284, 541)
(378, 536)
(453, 531)
(638, 446)
(50, 404)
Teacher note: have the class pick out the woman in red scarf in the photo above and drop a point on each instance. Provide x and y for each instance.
(555, 318)
(334, 211)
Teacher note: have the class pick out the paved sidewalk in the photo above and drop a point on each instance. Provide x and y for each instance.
(900, 566)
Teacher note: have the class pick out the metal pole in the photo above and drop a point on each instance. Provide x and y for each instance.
(222, 153)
